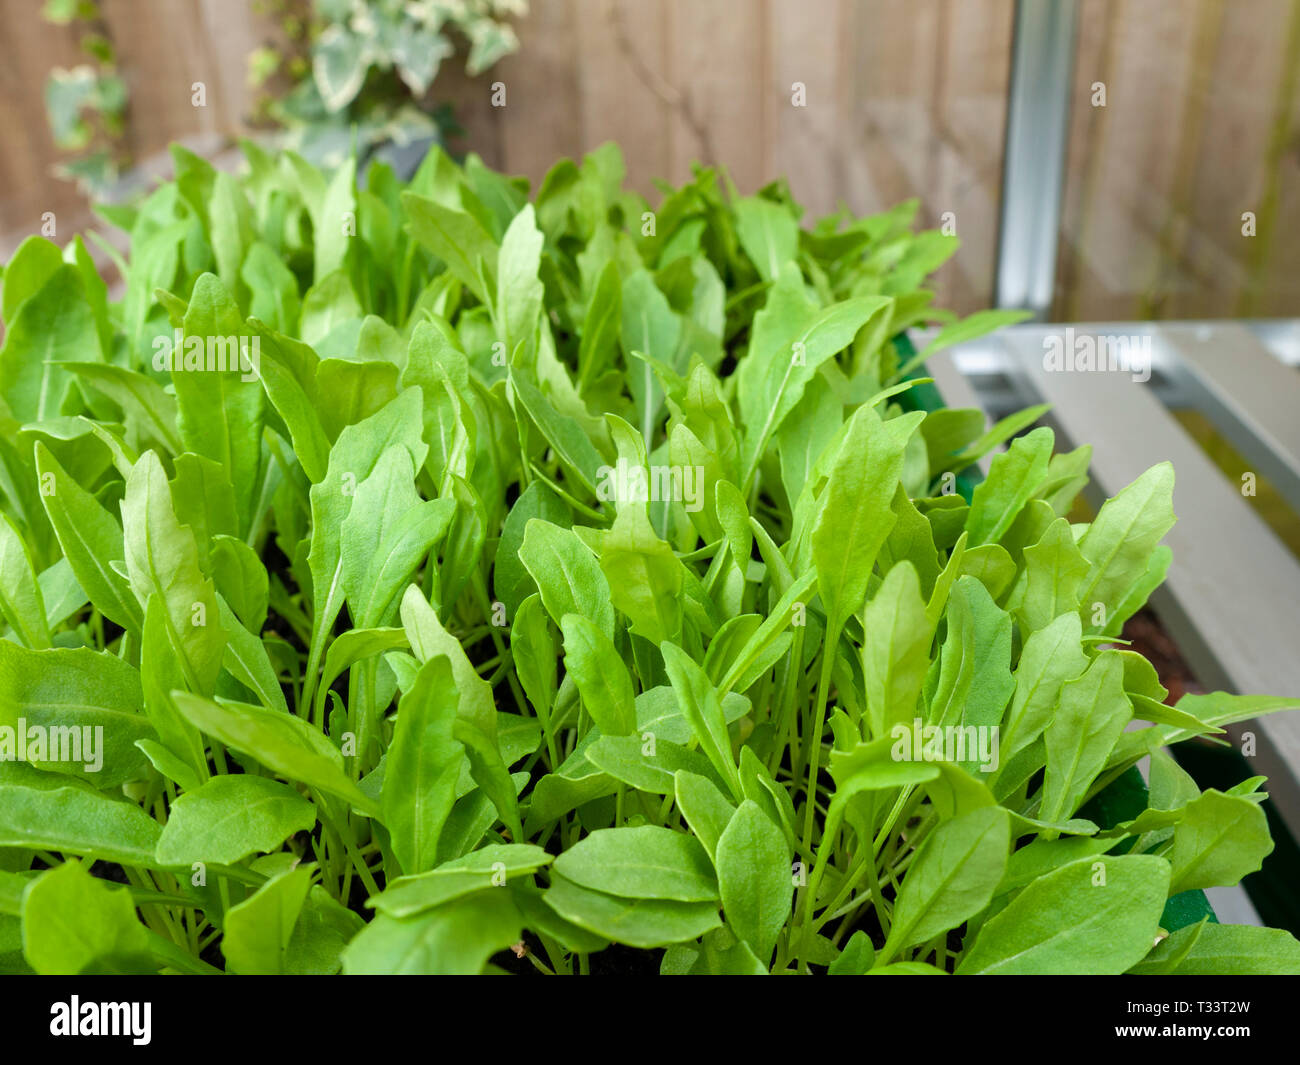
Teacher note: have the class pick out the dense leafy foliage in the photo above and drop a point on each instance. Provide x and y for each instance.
(361, 74)
(554, 575)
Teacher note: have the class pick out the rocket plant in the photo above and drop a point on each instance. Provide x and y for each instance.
(447, 580)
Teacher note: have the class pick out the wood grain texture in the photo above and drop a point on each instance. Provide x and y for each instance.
(902, 100)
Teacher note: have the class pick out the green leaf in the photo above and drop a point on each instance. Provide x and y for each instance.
(591, 659)
(953, 878)
(1119, 543)
(455, 939)
(768, 233)
(351, 647)
(1219, 839)
(510, 578)
(855, 517)
(257, 931)
(284, 744)
(487, 868)
(519, 292)
(246, 659)
(332, 207)
(428, 640)
(169, 764)
(1050, 657)
(52, 326)
(702, 708)
(351, 460)
(754, 878)
(33, 263)
(969, 328)
(163, 560)
(974, 679)
(330, 310)
(1223, 950)
(532, 649)
(1054, 569)
(1003, 430)
(896, 650)
(229, 818)
(90, 539)
(638, 922)
(564, 433)
(489, 771)
(457, 239)
(160, 675)
(424, 763)
(21, 604)
(706, 809)
(641, 863)
(644, 577)
(273, 288)
(1013, 478)
(567, 574)
(646, 762)
(287, 370)
(857, 957)
(649, 328)
(1092, 713)
(386, 536)
(791, 340)
(219, 402)
(86, 703)
(74, 923)
(1089, 917)
(601, 324)
(322, 931)
(72, 820)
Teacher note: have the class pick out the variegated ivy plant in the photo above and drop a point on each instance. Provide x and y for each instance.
(396, 575)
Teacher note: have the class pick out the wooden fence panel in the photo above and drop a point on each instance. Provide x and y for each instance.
(901, 100)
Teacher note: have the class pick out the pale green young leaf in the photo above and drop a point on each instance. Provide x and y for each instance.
(953, 878)
(1092, 712)
(257, 931)
(74, 923)
(648, 862)
(1013, 478)
(1089, 917)
(753, 858)
(91, 539)
(424, 761)
(637, 922)
(162, 559)
(567, 574)
(229, 818)
(283, 743)
(596, 667)
(1218, 840)
(896, 650)
(856, 516)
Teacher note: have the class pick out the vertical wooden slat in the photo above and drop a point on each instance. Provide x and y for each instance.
(623, 95)
(903, 100)
(162, 51)
(1093, 63)
(481, 122)
(715, 63)
(229, 42)
(32, 49)
(543, 121)
(967, 138)
(930, 124)
(808, 144)
(1270, 255)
